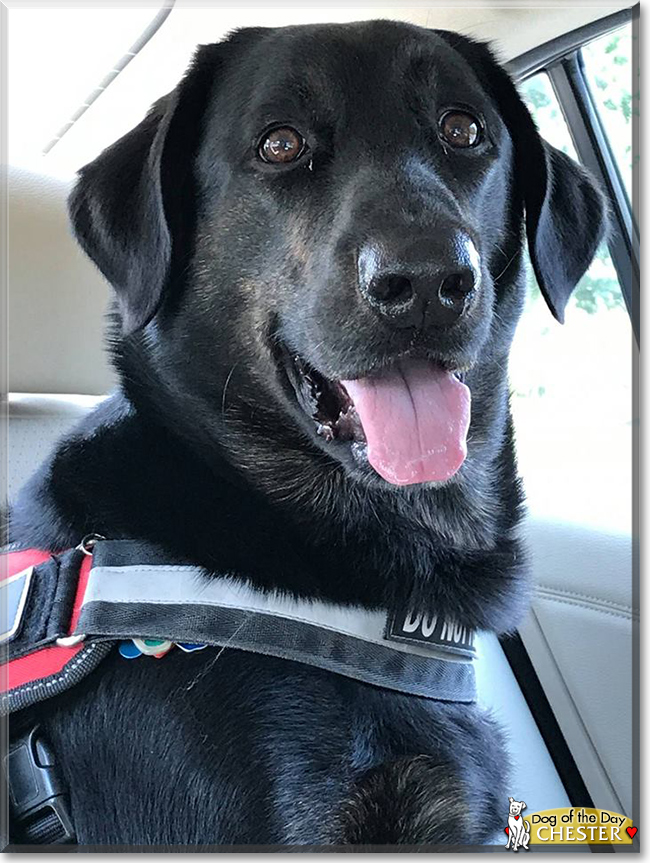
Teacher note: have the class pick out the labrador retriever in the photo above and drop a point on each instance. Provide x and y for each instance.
(317, 248)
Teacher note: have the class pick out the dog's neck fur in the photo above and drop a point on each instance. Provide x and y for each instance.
(320, 534)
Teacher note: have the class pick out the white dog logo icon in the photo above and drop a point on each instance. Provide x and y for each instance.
(518, 829)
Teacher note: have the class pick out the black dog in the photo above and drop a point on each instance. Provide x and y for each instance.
(311, 206)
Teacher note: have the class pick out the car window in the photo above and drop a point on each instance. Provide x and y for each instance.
(542, 103)
(608, 69)
(572, 385)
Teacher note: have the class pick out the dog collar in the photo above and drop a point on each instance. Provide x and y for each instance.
(67, 611)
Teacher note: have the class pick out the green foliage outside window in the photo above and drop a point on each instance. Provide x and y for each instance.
(608, 69)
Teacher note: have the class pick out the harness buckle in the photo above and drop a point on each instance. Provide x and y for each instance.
(39, 804)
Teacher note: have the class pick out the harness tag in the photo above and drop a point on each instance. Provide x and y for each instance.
(13, 598)
(431, 629)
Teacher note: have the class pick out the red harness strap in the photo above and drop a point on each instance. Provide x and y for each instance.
(44, 661)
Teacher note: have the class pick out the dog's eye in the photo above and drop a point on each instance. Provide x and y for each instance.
(459, 129)
(281, 145)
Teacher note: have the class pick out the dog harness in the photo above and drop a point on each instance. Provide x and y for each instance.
(64, 612)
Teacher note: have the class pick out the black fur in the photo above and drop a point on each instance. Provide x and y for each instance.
(219, 263)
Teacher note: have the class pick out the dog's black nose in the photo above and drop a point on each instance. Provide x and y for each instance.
(410, 291)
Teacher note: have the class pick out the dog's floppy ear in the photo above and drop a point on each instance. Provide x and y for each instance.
(127, 208)
(566, 216)
(511, 799)
(566, 213)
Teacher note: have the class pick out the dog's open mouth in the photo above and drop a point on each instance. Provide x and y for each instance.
(411, 419)
(328, 403)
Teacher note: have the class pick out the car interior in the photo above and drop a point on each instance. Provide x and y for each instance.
(566, 684)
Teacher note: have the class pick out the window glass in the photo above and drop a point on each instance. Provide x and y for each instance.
(608, 69)
(572, 385)
(539, 96)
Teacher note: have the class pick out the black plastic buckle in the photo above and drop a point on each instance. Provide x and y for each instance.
(37, 795)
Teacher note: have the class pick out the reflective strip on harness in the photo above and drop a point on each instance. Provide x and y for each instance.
(133, 590)
(129, 593)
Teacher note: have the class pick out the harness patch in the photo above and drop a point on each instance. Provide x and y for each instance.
(431, 629)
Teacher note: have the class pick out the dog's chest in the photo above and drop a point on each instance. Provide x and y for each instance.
(224, 752)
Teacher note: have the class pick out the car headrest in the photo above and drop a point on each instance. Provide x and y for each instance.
(56, 299)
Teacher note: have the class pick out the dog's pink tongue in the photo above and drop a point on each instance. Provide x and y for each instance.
(415, 419)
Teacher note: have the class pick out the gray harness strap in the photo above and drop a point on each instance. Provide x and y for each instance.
(134, 591)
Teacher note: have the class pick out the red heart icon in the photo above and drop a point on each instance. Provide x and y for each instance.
(516, 818)
(631, 831)
(507, 831)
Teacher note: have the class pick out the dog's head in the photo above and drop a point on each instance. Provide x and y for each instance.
(315, 243)
(516, 807)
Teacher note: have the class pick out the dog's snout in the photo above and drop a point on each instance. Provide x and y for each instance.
(415, 290)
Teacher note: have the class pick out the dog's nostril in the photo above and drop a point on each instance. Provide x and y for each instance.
(454, 290)
(393, 289)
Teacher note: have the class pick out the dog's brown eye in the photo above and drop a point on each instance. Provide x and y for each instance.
(459, 129)
(281, 145)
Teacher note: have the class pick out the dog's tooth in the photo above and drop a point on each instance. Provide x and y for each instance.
(325, 431)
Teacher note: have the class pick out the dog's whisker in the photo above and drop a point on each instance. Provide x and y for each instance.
(213, 661)
(225, 390)
(507, 266)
